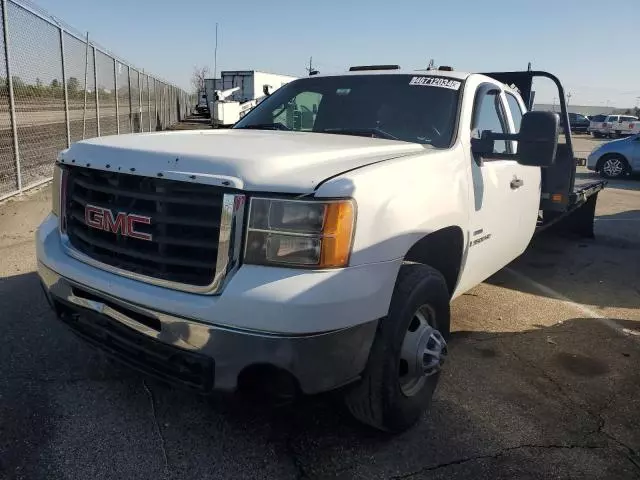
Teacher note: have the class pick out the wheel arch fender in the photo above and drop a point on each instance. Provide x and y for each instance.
(443, 250)
(401, 201)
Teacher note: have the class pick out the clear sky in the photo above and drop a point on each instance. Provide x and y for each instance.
(591, 47)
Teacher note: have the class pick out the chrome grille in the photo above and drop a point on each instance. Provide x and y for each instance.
(192, 228)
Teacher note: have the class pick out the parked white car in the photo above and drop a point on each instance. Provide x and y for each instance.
(596, 125)
(615, 126)
(317, 244)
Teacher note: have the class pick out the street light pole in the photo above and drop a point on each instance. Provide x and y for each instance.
(215, 55)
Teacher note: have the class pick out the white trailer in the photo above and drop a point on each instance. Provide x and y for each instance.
(236, 92)
(210, 86)
(224, 112)
(251, 83)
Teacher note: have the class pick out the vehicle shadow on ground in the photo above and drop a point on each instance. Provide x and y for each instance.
(537, 404)
(601, 272)
(507, 403)
(631, 182)
(37, 356)
(628, 215)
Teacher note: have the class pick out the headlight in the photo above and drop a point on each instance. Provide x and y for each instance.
(300, 233)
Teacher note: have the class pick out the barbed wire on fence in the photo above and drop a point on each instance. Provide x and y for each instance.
(58, 86)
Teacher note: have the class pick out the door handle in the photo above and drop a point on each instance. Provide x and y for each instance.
(516, 183)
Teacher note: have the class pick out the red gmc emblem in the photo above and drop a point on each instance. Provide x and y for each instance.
(123, 223)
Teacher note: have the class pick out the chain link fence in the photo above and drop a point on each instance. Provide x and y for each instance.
(57, 87)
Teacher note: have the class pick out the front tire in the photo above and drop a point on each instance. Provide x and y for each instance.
(613, 166)
(407, 353)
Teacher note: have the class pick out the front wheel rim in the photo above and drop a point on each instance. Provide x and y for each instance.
(613, 167)
(422, 353)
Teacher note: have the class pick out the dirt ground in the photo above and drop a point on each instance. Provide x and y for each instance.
(542, 382)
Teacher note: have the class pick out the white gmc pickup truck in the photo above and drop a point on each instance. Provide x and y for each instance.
(317, 244)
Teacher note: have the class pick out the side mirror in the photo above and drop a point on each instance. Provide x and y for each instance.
(267, 90)
(538, 139)
(482, 143)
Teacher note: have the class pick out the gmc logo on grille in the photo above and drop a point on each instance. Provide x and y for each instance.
(123, 223)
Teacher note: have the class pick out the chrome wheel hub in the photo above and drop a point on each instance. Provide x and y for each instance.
(613, 167)
(423, 352)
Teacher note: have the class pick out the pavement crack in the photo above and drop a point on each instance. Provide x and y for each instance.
(157, 426)
(632, 455)
(494, 456)
(553, 381)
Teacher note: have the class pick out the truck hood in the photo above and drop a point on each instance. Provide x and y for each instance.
(254, 160)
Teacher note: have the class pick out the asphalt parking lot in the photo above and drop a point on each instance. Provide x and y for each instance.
(542, 382)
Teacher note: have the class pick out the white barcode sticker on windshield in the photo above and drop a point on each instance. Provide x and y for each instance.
(436, 82)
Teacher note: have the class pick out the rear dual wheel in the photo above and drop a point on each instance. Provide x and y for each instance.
(407, 353)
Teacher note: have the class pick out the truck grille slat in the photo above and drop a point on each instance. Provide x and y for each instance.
(105, 245)
(184, 242)
(192, 199)
(190, 222)
(182, 234)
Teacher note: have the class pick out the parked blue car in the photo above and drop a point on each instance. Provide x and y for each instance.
(616, 159)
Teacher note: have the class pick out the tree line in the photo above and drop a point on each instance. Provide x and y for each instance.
(635, 112)
(55, 89)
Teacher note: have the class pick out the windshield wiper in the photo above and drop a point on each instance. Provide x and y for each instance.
(375, 131)
(266, 126)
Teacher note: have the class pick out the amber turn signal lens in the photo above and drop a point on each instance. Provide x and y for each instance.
(337, 234)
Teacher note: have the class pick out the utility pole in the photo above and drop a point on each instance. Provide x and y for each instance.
(215, 55)
(310, 70)
(568, 98)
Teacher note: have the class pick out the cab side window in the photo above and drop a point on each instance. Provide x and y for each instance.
(516, 111)
(490, 116)
(300, 113)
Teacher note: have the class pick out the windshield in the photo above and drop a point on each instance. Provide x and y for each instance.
(411, 108)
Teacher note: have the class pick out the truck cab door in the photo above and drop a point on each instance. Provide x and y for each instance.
(504, 194)
(527, 195)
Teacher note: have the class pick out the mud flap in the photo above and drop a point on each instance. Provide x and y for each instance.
(579, 221)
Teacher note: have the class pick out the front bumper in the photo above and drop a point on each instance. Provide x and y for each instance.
(201, 356)
(279, 301)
